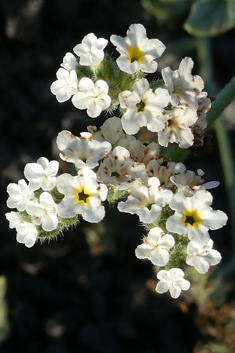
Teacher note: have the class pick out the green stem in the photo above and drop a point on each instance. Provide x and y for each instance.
(226, 157)
(223, 99)
(205, 61)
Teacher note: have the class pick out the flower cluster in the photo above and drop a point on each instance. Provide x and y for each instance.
(172, 106)
(50, 203)
(110, 163)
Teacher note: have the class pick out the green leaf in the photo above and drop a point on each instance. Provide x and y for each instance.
(165, 9)
(210, 17)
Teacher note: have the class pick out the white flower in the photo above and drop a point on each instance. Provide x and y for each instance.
(202, 256)
(155, 247)
(90, 50)
(156, 168)
(173, 281)
(112, 132)
(182, 86)
(65, 86)
(146, 201)
(26, 231)
(27, 234)
(193, 215)
(177, 122)
(69, 62)
(137, 52)
(204, 105)
(83, 195)
(143, 152)
(44, 212)
(83, 151)
(92, 96)
(41, 174)
(20, 195)
(143, 107)
(14, 219)
(119, 169)
(188, 182)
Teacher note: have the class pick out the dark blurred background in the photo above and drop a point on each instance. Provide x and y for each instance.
(87, 292)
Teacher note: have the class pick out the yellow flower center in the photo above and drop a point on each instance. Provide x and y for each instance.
(135, 54)
(149, 206)
(140, 106)
(192, 218)
(81, 195)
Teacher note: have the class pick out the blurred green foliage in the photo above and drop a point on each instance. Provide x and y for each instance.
(206, 17)
(4, 323)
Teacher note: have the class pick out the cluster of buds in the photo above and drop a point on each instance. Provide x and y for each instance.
(110, 163)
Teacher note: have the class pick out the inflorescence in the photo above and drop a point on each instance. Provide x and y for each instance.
(110, 163)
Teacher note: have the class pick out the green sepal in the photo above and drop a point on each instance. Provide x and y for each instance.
(115, 195)
(64, 223)
(166, 212)
(178, 253)
(25, 217)
(57, 196)
(157, 83)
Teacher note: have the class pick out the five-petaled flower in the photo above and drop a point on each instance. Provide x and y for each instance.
(146, 200)
(193, 215)
(177, 122)
(26, 234)
(92, 96)
(156, 247)
(202, 256)
(82, 151)
(182, 86)
(19, 195)
(44, 212)
(173, 281)
(41, 174)
(143, 107)
(66, 84)
(119, 169)
(90, 50)
(83, 196)
(137, 52)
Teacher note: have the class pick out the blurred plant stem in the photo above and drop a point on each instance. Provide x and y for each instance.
(4, 322)
(223, 99)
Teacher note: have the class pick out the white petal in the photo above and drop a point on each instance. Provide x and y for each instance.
(162, 287)
(159, 256)
(175, 291)
(86, 85)
(143, 251)
(95, 107)
(49, 223)
(183, 284)
(95, 215)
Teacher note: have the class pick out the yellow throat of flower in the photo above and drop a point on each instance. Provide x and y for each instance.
(192, 218)
(81, 195)
(135, 54)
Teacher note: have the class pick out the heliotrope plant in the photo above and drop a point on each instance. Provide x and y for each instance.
(110, 163)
